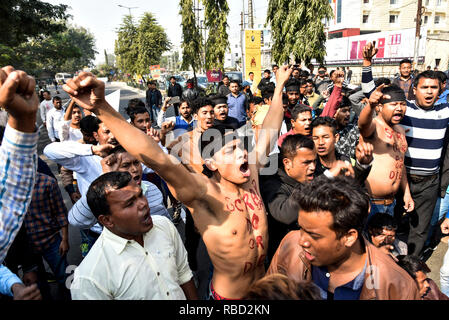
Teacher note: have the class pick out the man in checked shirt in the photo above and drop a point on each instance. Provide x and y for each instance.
(46, 217)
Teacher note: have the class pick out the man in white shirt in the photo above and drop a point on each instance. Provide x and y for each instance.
(45, 106)
(70, 129)
(137, 256)
(54, 117)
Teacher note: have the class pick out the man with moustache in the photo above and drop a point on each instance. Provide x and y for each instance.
(301, 119)
(388, 138)
(137, 256)
(425, 126)
(221, 110)
(330, 251)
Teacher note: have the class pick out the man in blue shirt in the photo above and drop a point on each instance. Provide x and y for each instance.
(237, 103)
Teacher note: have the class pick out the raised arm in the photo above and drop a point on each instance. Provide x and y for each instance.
(335, 99)
(271, 125)
(88, 92)
(18, 155)
(68, 112)
(368, 86)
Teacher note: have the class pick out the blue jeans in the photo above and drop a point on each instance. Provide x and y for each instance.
(376, 208)
(154, 114)
(441, 208)
(58, 264)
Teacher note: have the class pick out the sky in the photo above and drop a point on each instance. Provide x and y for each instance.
(103, 17)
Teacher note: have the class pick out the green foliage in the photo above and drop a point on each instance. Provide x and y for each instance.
(139, 46)
(297, 29)
(216, 16)
(68, 51)
(191, 37)
(34, 37)
(24, 19)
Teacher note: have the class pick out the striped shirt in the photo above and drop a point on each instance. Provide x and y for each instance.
(18, 166)
(424, 131)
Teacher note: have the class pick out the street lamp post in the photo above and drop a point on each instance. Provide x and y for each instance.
(129, 8)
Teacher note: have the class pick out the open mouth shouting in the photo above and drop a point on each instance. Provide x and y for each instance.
(244, 169)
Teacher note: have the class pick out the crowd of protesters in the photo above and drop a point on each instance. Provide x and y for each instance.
(301, 186)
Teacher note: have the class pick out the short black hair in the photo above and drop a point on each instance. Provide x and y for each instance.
(428, 74)
(380, 221)
(209, 137)
(341, 196)
(292, 143)
(304, 73)
(345, 102)
(138, 110)
(267, 71)
(256, 100)
(134, 103)
(89, 124)
(325, 121)
(200, 102)
(405, 61)
(251, 73)
(268, 92)
(45, 91)
(292, 85)
(96, 194)
(322, 67)
(442, 76)
(412, 265)
(57, 98)
(172, 77)
(298, 109)
(218, 99)
(382, 80)
(234, 81)
(274, 65)
(225, 76)
(394, 91)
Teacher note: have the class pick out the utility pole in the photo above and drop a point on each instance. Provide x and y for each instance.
(242, 36)
(129, 8)
(250, 15)
(417, 34)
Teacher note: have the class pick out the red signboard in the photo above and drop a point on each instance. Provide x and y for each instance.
(214, 75)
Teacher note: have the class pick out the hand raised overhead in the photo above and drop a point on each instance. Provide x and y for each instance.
(369, 51)
(86, 90)
(18, 97)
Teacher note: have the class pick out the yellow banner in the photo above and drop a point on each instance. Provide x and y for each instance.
(253, 58)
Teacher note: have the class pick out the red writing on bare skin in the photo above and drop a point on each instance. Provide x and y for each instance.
(389, 133)
(255, 221)
(231, 207)
(256, 199)
(252, 243)
(246, 200)
(394, 175)
(247, 268)
(258, 242)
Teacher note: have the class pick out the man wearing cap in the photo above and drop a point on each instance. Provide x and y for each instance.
(221, 112)
(388, 173)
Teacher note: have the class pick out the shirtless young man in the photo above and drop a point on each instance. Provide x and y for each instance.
(388, 173)
(227, 208)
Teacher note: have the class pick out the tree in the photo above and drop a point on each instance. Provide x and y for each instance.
(139, 46)
(297, 29)
(216, 16)
(24, 19)
(126, 49)
(152, 42)
(191, 38)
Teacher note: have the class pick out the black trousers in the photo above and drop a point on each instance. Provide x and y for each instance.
(424, 190)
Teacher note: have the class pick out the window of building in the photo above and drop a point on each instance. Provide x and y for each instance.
(393, 2)
(365, 18)
(365, 1)
(427, 2)
(338, 11)
(437, 19)
(394, 18)
(426, 19)
(439, 2)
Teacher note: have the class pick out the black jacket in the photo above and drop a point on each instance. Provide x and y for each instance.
(282, 209)
(174, 90)
(190, 94)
